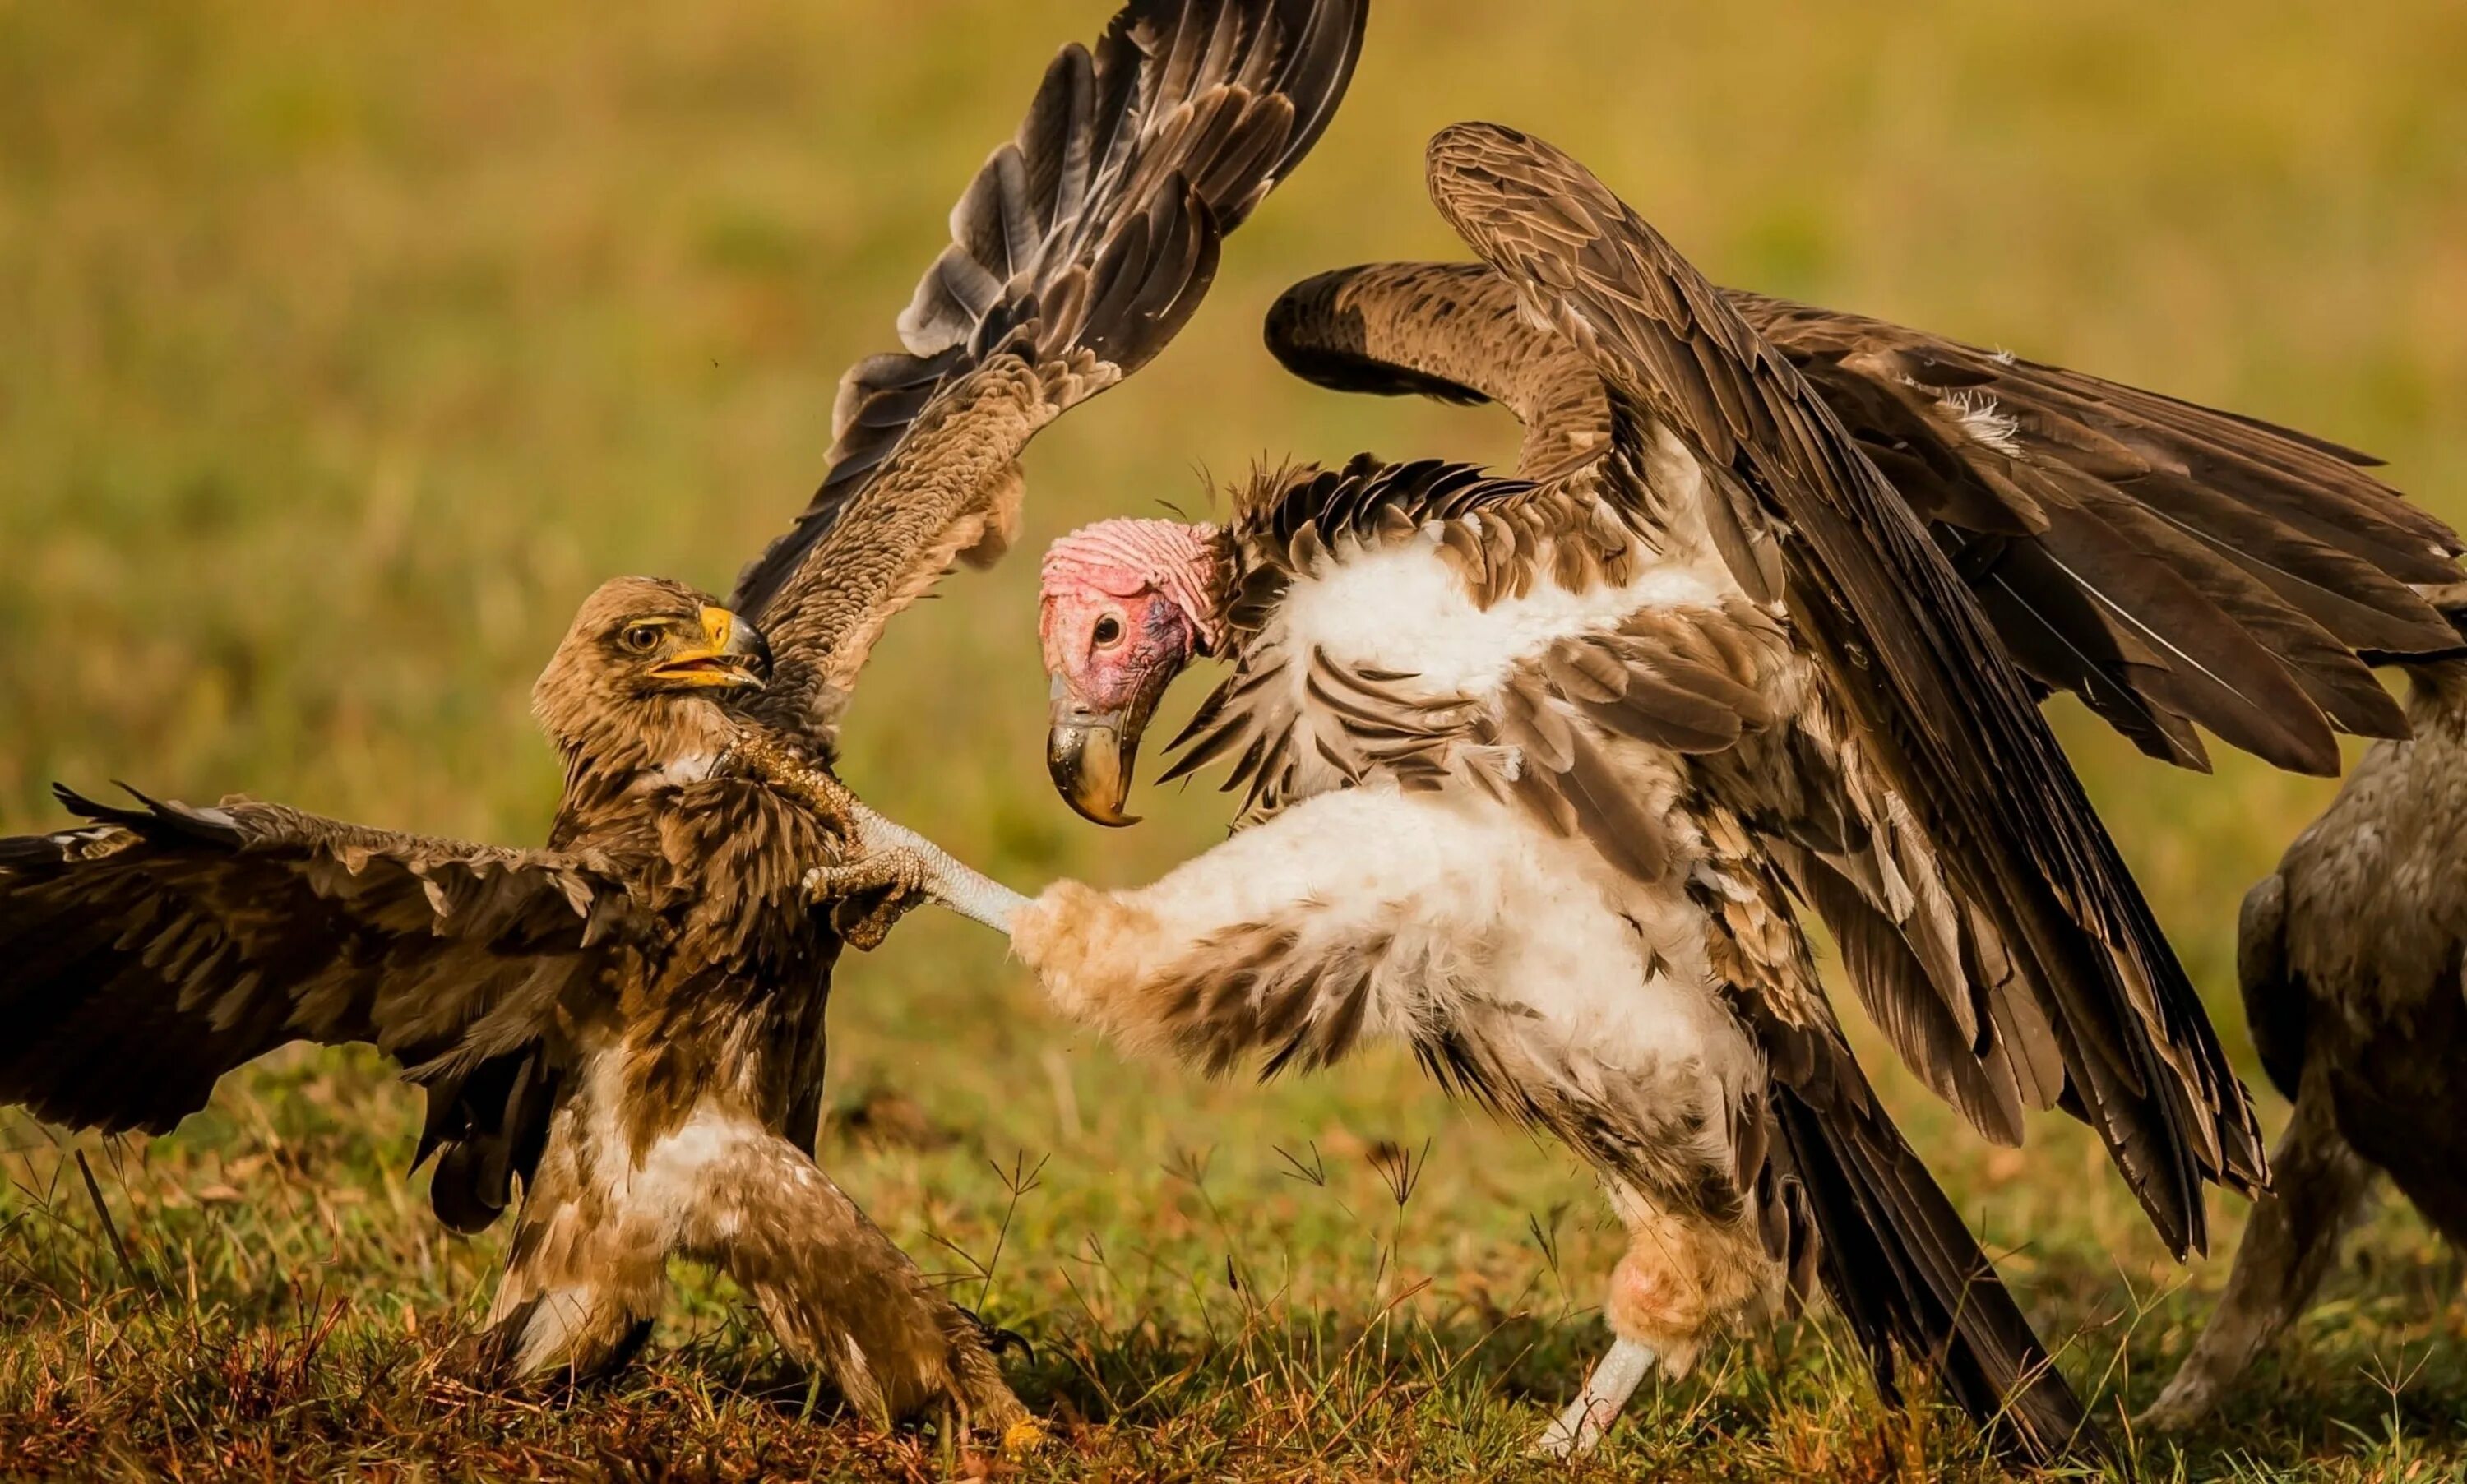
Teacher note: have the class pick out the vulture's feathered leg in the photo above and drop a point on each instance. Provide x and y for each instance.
(1296, 940)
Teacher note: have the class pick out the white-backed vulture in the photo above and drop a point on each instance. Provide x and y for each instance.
(1538, 774)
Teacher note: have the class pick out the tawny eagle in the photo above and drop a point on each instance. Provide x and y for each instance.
(627, 1025)
(1540, 774)
(2352, 956)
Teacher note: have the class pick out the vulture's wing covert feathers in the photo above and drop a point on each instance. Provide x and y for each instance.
(1079, 251)
(234, 930)
(1903, 642)
(2170, 564)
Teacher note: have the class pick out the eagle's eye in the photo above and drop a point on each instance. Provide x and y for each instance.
(1108, 631)
(641, 637)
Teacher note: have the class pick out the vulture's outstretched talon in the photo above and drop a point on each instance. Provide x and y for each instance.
(998, 1341)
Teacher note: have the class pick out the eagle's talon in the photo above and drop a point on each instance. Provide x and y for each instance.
(998, 1340)
(867, 896)
(864, 925)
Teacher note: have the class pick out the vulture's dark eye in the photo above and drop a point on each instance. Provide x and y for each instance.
(641, 637)
(1109, 630)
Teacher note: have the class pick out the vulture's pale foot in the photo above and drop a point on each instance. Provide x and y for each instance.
(1579, 1427)
(555, 1341)
(1681, 1277)
(884, 868)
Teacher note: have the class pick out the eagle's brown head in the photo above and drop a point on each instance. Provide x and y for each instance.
(644, 678)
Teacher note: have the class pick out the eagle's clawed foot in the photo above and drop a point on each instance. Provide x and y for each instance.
(998, 1340)
(869, 895)
(2189, 1399)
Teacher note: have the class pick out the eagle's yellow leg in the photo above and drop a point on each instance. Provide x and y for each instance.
(869, 894)
(809, 783)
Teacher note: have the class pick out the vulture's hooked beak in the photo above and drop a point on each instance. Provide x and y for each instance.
(1091, 754)
(733, 655)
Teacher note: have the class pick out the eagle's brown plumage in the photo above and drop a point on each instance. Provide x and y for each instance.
(626, 1026)
(628, 1023)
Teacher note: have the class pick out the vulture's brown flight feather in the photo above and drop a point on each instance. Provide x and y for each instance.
(2167, 563)
(627, 1027)
(1538, 774)
(1910, 654)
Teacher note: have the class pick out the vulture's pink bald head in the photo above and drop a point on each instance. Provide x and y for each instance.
(1124, 606)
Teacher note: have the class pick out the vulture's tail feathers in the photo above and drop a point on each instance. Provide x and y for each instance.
(1906, 1271)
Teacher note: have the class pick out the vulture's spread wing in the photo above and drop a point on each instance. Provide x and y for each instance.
(2170, 564)
(144, 955)
(1907, 651)
(1449, 330)
(1078, 252)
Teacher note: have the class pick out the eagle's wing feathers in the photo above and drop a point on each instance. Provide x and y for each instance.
(154, 950)
(1080, 249)
(1905, 647)
(2167, 563)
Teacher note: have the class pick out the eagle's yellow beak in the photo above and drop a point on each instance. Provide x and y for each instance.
(733, 654)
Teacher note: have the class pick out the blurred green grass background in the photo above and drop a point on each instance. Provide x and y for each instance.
(343, 349)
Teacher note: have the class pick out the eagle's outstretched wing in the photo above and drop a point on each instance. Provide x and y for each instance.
(1901, 643)
(144, 954)
(2170, 564)
(1078, 252)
